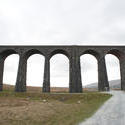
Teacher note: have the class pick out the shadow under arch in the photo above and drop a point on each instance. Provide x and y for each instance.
(32, 52)
(4, 54)
(59, 51)
(116, 53)
(91, 52)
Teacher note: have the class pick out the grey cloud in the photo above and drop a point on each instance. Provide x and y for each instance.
(62, 22)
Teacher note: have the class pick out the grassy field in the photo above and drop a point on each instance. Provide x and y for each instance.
(36, 108)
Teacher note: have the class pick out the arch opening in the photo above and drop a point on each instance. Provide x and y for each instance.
(35, 71)
(89, 73)
(116, 53)
(10, 70)
(59, 73)
(7, 53)
(113, 70)
(59, 51)
(32, 52)
(91, 52)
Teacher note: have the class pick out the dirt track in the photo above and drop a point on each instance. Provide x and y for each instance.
(111, 113)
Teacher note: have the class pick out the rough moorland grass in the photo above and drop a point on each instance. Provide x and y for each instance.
(58, 109)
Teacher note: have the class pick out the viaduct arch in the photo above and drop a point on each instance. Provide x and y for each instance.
(73, 53)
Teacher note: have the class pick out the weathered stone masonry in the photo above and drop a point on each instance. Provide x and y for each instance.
(73, 53)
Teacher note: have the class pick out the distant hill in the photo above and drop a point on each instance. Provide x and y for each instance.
(37, 89)
(114, 84)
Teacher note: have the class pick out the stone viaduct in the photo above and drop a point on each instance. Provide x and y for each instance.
(73, 53)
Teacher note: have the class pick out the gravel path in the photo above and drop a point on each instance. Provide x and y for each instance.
(111, 113)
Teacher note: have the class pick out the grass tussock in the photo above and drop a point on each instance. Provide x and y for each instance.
(36, 108)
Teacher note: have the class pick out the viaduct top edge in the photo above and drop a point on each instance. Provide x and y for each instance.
(62, 45)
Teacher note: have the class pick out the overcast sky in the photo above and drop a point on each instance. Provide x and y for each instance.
(61, 22)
